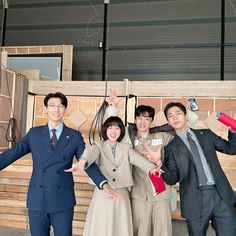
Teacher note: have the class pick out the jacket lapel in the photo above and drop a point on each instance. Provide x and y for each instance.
(119, 153)
(63, 141)
(45, 139)
(108, 153)
(180, 145)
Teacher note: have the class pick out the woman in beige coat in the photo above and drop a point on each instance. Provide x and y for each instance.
(107, 217)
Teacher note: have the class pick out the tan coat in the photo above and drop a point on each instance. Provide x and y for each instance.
(117, 169)
(141, 190)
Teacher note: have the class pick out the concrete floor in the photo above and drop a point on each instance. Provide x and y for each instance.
(179, 229)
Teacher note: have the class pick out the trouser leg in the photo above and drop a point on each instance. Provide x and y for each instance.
(39, 222)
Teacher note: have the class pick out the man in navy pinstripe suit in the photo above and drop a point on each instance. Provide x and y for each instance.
(51, 197)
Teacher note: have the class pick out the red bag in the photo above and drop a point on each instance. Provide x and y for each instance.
(158, 184)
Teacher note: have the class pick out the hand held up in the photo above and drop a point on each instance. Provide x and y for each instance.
(153, 156)
(113, 99)
(77, 167)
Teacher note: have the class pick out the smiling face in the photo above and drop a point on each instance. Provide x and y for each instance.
(177, 119)
(55, 111)
(143, 124)
(113, 133)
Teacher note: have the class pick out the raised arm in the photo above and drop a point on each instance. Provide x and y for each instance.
(112, 109)
(16, 152)
(140, 161)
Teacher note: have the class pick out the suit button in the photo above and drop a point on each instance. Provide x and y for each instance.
(58, 187)
(114, 170)
(113, 179)
(40, 186)
(58, 172)
(44, 170)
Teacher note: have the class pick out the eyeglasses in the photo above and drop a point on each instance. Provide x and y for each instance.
(52, 106)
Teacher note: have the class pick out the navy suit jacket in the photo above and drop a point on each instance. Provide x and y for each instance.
(179, 167)
(51, 189)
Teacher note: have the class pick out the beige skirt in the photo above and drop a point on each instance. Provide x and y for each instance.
(107, 217)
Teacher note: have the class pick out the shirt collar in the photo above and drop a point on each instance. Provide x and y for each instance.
(58, 128)
(140, 137)
(183, 134)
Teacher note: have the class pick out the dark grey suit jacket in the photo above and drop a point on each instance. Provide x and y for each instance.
(179, 167)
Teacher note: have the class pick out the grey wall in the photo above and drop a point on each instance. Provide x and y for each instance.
(148, 40)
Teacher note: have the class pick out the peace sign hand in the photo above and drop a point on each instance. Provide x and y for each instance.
(153, 156)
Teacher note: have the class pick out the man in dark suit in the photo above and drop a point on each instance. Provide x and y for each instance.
(51, 197)
(191, 160)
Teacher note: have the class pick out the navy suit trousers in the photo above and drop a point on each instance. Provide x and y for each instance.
(41, 222)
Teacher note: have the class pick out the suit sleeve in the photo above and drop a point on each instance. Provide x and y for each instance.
(96, 175)
(110, 111)
(91, 154)
(92, 171)
(80, 146)
(16, 152)
(162, 128)
(171, 173)
(224, 146)
(140, 161)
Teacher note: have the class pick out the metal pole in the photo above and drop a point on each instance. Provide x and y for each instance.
(222, 45)
(4, 20)
(104, 43)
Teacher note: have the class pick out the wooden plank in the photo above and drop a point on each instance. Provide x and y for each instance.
(186, 88)
(19, 175)
(14, 210)
(84, 186)
(11, 203)
(16, 224)
(6, 180)
(78, 231)
(13, 196)
(12, 217)
(141, 89)
(80, 208)
(13, 188)
(75, 88)
(81, 193)
(78, 224)
(82, 200)
(24, 161)
(19, 168)
(80, 216)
